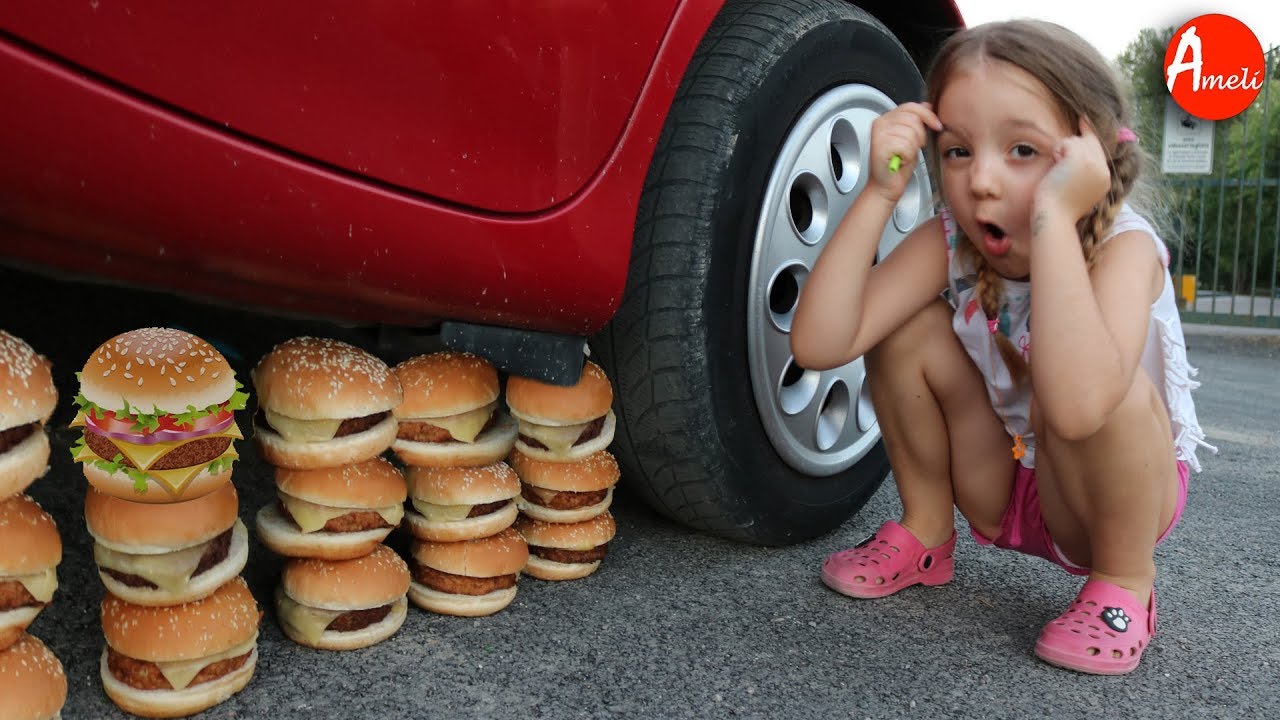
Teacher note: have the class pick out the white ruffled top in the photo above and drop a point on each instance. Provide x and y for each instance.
(1164, 357)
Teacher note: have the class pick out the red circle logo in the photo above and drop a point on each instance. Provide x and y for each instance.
(1214, 66)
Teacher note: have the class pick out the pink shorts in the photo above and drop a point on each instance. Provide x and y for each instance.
(1022, 528)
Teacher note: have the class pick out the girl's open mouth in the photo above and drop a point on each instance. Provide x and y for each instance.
(994, 239)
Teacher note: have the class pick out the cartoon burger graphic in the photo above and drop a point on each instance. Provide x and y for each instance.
(158, 410)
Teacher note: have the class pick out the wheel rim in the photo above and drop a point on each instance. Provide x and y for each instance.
(820, 423)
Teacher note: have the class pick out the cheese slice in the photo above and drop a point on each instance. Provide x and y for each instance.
(168, 571)
(464, 427)
(41, 585)
(442, 513)
(180, 673)
(310, 622)
(543, 493)
(311, 517)
(173, 481)
(295, 430)
(557, 439)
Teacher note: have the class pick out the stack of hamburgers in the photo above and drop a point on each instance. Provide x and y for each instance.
(453, 436)
(323, 420)
(158, 406)
(567, 475)
(32, 682)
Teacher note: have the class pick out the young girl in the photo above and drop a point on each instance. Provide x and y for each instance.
(1073, 447)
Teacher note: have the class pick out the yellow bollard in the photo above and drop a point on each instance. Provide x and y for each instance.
(1185, 289)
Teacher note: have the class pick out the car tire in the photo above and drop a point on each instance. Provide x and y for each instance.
(698, 436)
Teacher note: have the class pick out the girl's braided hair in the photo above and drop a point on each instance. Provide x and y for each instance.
(1083, 85)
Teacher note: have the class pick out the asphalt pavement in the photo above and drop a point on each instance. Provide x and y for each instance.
(681, 625)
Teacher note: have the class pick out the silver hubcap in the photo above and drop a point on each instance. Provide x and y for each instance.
(819, 422)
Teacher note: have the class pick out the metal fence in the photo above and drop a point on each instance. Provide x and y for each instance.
(1225, 227)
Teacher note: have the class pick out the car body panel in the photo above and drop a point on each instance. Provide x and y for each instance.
(506, 107)
(101, 182)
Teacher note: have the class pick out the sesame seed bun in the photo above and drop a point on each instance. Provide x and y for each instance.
(490, 446)
(219, 622)
(309, 378)
(120, 485)
(556, 405)
(33, 684)
(462, 486)
(283, 537)
(369, 484)
(445, 383)
(24, 462)
(28, 537)
(380, 578)
(343, 450)
(148, 529)
(503, 554)
(598, 471)
(28, 394)
(584, 535)
(157, 367)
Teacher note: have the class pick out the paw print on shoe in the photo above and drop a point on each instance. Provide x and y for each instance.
(1115, 619)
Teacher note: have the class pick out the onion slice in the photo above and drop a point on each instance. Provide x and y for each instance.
(160, 435)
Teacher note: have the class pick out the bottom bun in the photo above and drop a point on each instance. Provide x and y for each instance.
(200, 586)
(344, 450)
(429, 598)
(14, 622)
(119, 485)
(364, 637)
(284, 538)
(23, 463)
(175, 703)
(545, 569)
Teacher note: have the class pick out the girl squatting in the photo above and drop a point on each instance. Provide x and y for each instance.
(1074, 447)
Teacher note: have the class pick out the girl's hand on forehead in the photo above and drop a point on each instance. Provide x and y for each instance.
(902, 132)
(1080, 177)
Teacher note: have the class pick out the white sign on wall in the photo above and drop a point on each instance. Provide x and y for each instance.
(1188, 142)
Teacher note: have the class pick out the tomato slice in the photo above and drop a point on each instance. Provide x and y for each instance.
(110, 423)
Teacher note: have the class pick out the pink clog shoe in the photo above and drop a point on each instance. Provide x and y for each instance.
(1103, 632)
(887, 562)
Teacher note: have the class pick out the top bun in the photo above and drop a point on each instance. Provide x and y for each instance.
(503, 554)
(310, 378)
(32, 681)
(463, 485)
(568, 536)
(556, 405)
(227, 618)
(597, 471)
(148, 528)
(377, 579)
(445, 383)
(28, 537)
(157, 368)
(370, 484)
(29, 394)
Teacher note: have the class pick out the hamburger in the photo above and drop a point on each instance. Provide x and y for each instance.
(450, 413)
(323, 403)
(346, 604)
(566, 492)
(469, 578)
(557, 423)
(333, 513)
(459, 503)
(27, 399)
(560, 551)
(179, 660)
(167, 554)
(158, 410)
(33, 685)
(30, 550)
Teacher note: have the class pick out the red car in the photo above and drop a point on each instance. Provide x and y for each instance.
(653, 177)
